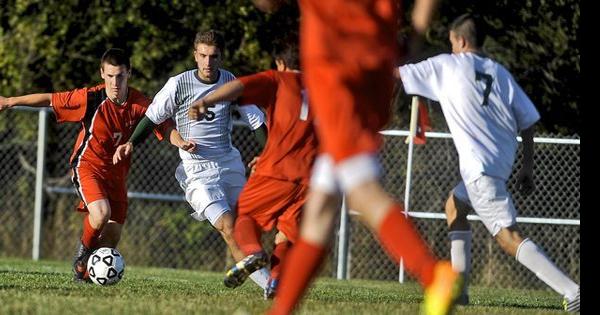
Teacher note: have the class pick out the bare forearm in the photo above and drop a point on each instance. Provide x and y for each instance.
(31, 100)
(229, 91)
(422, 14)
(175, 137)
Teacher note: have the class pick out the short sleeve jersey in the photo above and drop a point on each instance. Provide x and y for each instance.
(483, 105)
(104, 125)
(212, 133)
(292, 143)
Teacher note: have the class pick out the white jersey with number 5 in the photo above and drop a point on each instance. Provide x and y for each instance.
(212, 133)
(483, 105)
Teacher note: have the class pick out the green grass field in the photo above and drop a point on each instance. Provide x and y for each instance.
(45, 287)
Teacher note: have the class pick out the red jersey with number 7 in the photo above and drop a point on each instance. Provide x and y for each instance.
(292, 144)
(104, 124)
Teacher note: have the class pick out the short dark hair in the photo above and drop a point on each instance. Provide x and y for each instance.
(470, 26)
(116, 57)
(289, 54)
(210, 37)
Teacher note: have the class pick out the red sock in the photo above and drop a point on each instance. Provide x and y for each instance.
(247, 235)
(90, 235)
(277, 257)
(400, 239)
(301, 266)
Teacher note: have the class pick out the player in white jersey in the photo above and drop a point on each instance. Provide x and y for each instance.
(485, 109)
(211, 172)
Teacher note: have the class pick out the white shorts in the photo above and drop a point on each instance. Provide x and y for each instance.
(347, 174)
(212, 187)
(491, 201)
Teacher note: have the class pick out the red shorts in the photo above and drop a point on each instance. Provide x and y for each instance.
(348, 57)
(273, 203)
(93, 185)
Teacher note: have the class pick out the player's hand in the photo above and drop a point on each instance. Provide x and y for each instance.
(122, 152)
(187, 146)
(268, 6)
(4, 103)
(197, 109)
(252, 164)
(525, 182)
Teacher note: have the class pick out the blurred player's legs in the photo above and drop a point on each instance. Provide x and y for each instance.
(347, 48)
(212, 189)
(266, 203)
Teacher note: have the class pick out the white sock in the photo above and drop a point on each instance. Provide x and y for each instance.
(460, 253)
(532, 257)
(261, 277)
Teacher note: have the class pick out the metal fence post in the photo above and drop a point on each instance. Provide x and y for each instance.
(343, 237)
(414, 110)
(39, 183)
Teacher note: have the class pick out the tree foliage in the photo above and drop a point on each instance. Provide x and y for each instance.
(56, 45)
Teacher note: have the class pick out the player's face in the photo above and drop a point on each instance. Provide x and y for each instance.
(456, 41)
(208, 58)
(115, 79)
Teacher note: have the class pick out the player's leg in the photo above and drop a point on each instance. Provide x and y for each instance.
(396, 232)
(288, 226)
(280, 250)
(96, 207)
(111, 235)
(460, 236)
(349, 126)
(306, 256)
(233, 181)
(493, 203)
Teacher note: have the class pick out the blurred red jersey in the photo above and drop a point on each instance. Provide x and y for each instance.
(104, 125)
(292, 144)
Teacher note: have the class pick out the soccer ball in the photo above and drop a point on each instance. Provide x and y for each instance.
(106, 266)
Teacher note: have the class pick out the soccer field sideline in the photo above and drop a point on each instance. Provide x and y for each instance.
(45, 287)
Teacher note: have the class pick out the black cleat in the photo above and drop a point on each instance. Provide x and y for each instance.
(271, 289)
(240, 272)
(80, 273)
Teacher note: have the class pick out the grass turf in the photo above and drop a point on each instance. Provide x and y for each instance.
(45, 287)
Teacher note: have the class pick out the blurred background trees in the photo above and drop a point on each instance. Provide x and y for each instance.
(56, 45)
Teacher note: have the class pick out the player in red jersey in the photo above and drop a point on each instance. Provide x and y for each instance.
(348, 52)
(107, 113)
(276, 192)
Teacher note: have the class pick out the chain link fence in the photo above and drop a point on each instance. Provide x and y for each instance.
(159, 231)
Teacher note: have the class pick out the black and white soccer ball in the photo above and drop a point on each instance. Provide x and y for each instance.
(106, 266)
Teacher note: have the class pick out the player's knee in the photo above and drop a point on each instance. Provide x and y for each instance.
(509, 240)
(99, 212)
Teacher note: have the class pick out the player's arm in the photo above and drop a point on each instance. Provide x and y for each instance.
(141, 132)
(178, 141)
(525, 179)
(422, 14)
(229, 91)
(30, 100)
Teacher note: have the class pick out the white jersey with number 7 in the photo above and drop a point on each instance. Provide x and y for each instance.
(483, 105)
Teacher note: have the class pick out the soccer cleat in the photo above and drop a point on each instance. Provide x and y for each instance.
(243, 268)
(271, 289)
(462, 299)
(572, 306)
(440, 296)
(80, 273)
